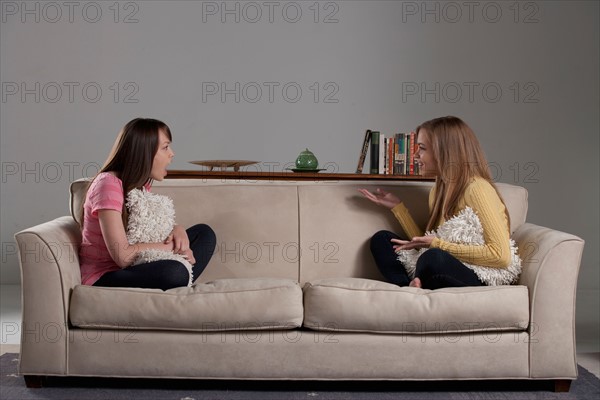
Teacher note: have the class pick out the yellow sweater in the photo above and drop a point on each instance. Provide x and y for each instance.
(483, 199)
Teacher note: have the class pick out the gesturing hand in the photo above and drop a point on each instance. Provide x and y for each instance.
(381, 198)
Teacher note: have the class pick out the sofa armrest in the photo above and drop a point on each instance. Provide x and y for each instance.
(551, 262)
(49, 259)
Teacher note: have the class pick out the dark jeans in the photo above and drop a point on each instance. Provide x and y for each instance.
(436, 268)
(166, 274)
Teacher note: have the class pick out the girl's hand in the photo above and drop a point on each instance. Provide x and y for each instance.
(115, 238)
(188, 255)
(418, 242)
(381, 198)
(180, 240)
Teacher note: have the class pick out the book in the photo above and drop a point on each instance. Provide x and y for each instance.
(406, 153)
(399, 154)
(412, 154)
(382, 143)
(417, 170)
(363, 152)
(391, 152)
(374, 167)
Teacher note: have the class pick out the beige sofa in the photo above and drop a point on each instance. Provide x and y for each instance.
(292, 293)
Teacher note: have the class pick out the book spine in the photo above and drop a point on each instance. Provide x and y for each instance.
(386, 143)
(390, 164)
(374, 152)
(382, 153)
(396, 155)
(363, 152)
(406, 153)
(401, 155)
(412, 154)
(416, 163)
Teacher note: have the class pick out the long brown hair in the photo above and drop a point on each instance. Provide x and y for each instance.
(132, 155)
(459, 159)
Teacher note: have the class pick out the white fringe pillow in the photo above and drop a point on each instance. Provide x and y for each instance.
(465, 228)
(151, 220)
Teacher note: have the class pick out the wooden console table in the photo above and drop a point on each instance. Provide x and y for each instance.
(288, 176)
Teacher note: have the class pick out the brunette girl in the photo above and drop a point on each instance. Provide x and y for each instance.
(139, 156)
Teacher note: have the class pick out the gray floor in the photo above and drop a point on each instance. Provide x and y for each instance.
(10, 317)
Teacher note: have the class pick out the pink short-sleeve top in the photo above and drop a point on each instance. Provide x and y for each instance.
(104, 193)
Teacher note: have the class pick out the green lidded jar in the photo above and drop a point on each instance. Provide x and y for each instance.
(307, 160)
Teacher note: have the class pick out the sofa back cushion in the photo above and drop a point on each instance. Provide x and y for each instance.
(256, 225)
(337, 222)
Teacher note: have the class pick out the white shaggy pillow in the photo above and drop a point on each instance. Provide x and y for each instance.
(151, 220)
(465, 228)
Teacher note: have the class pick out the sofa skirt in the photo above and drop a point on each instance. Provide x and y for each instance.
(297, 355)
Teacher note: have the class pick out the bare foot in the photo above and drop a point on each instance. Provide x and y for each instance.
(415, 283)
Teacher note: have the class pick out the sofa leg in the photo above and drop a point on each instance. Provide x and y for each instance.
(562, 385)
(34, 381)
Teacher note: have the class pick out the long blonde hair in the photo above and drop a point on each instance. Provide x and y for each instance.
(459, 158)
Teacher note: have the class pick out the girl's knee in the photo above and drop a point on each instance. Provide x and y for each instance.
(203, 232)
(208, 232)
(381, 237)
(433, 256)
(430, 262)
(174, 274)
(203, 240)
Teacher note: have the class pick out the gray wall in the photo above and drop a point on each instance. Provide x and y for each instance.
(263, 80)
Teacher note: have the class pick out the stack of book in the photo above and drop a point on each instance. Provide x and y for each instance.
(392, 155)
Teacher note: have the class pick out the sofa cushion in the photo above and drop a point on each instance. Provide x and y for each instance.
(363, 305)
(226, 304)
(335, 240)
(256, 224)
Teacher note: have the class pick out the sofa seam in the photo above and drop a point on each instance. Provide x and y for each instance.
(299, 235)
(431, 333)
(431, 292)
(146, 328)
(127, 290)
